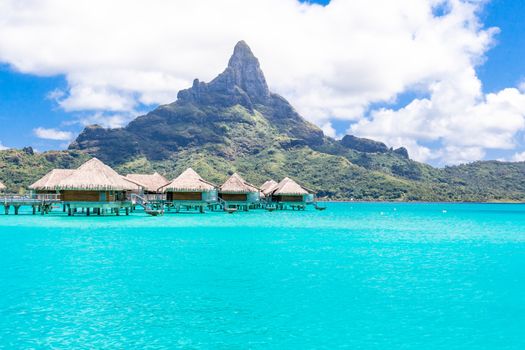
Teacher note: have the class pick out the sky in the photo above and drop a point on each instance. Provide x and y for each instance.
(443, 78)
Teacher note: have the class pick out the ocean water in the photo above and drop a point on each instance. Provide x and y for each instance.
(356, 276)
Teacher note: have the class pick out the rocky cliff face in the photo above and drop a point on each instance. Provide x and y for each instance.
(370, 146)
(242, 82)
(364, 145)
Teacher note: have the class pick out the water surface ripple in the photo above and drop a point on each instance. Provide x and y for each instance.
(356, 276)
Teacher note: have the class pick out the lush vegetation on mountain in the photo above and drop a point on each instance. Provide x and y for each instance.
(20, 168)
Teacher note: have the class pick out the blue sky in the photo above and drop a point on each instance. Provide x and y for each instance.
(27, 102)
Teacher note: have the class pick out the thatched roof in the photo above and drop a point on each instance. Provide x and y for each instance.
(2, 186)
(289, 187)
(150, 183)
(236, 184)
(268, 186)
(51, 180)
(97, 176)
(189, 181)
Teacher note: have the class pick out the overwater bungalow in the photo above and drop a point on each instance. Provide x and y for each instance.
(190, 190)
(239, 194)
(289, 193)
(267, 187)
(46, 188)
(150, 185)
(93, 186)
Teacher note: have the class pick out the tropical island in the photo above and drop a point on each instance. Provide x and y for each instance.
(235, 124)
(366, 191)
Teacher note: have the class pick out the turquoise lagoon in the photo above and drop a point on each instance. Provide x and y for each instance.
(356, 276)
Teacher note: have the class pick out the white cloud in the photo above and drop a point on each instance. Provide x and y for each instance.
(332, 62)
(107, 120)
(522, 86)
(53, 134)
(328, 129)
(56, 94)
(461, 155)
(85, 97)
(457, 116)
(518, 157)
(2, 147)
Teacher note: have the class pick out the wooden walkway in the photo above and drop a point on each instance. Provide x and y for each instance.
(45, 205)
(16, 202)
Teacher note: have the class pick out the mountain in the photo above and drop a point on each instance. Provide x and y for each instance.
(234, 114)
(236, 124)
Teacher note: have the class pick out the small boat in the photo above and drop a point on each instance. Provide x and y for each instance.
(271, 208)
(320, 208)
(155, 212)
(230, 210)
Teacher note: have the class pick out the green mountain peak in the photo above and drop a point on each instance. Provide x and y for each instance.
(233, 114)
